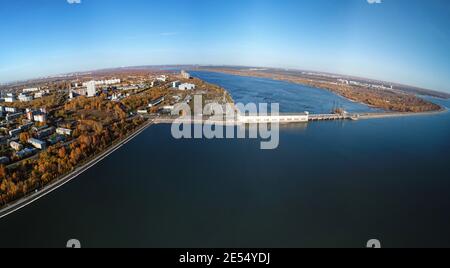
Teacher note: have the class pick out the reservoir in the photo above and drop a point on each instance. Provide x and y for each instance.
(329, 184)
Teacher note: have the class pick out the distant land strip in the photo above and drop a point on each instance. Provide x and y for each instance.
(393, 100)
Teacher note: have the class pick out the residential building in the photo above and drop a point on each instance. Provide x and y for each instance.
(37, 129)
(10, 99)
(45, 132)
(16, 146)
(103, 82)
(10, 110)
(30, 115)
(10, 117)
(26, 126)
(29, 90)
(175, 84)
(73, 94)
(91, 90)
(4, 160)
(55, 139)
(25, 152)
(39, 95)
(38, 144)
(162, 78)
(132, 87)
(15, 132)
(64, 131)
(25, 98)
(41, 118)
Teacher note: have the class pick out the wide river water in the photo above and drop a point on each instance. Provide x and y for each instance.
(329, 184)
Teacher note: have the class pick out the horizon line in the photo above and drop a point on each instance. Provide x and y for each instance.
(60, 75)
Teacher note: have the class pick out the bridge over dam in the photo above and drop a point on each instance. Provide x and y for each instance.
(282, 118)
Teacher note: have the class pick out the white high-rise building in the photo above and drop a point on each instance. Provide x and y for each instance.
(91, 91)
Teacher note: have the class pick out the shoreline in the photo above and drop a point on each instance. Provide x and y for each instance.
(398, 114)
(33, 197)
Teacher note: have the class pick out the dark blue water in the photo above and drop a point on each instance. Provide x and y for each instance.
(329, 184)
(291, 97)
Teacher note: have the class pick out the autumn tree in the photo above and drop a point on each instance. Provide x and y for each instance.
(24, 137)
(3, 172)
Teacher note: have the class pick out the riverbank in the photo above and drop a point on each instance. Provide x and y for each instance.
(395, 115)
(25, 201)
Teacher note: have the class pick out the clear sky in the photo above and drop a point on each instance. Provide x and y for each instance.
(405, 41)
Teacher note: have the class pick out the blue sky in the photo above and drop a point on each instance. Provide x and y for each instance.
(405, 41)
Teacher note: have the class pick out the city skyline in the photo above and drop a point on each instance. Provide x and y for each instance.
(375, 41)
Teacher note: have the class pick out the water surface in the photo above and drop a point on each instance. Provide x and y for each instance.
(291, 97)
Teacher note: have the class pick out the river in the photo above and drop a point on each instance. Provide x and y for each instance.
(329, 184)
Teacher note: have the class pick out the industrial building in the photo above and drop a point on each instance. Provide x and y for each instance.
(284, 118)
(167, 109)
(158, 101)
